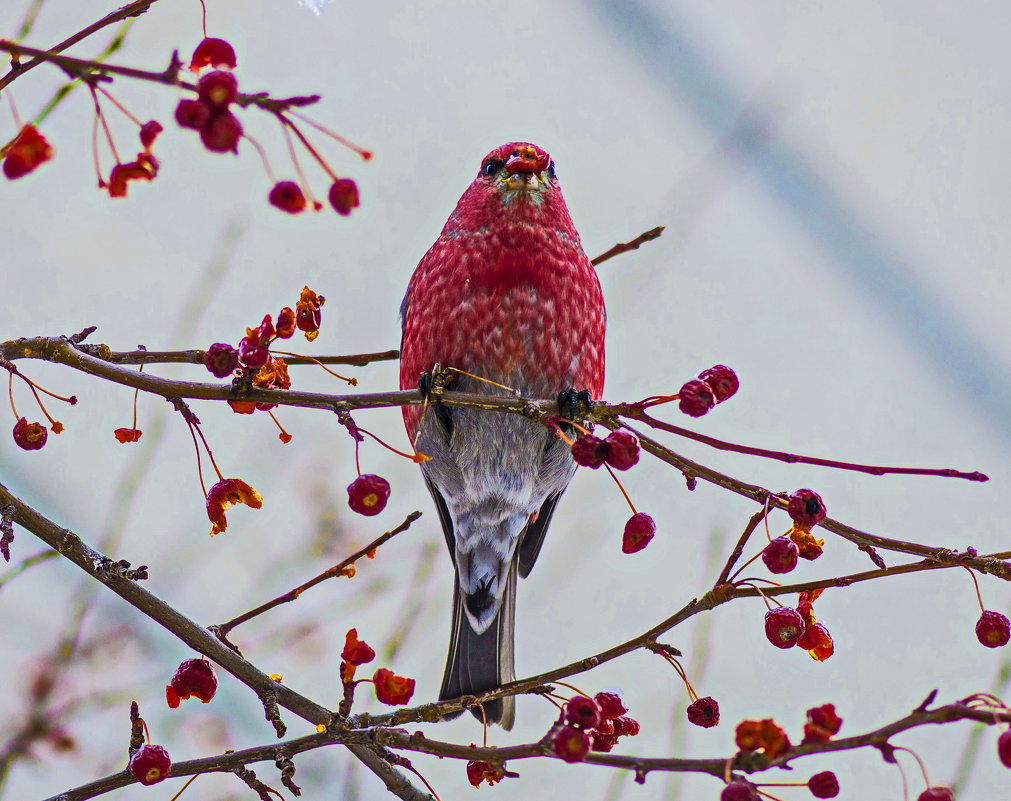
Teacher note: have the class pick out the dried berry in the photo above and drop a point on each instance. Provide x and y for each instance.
(696, 398)
(149, 132)
(343, 196)
(806, 508)
(780, 555)
(392, 689)
(589, 451)
(126, 435)
(783, 626)
(356, 652)
(368, 494)
(822, 724)
(478, 772)
(253, 353)
(582, 712)
(30, 436)
(823, 785)
(993, 629)
(639, 530)
(26, 152)
(622, 449)
(722, 380)
(285, 323)
(287, 196)
(808, 546)
(752, 735)
(570, 744)
(192, 114)
(704, 712)
(817, 641)
(221, 133)
(226, 493)
(308, 314)
(215, 53)
(625, 726)
(221, 359)
(150, 764)
(193, 678)
(602, 742)
(739, 791)
(610, 704)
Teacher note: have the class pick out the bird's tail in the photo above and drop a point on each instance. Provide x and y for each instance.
(479, 662)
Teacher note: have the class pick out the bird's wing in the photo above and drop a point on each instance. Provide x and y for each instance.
(533, 538)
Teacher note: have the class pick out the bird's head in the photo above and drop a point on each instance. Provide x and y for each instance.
(515, 183)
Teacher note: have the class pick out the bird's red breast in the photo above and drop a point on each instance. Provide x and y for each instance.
(506, 292)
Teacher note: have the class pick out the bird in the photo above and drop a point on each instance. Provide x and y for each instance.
(506, 301)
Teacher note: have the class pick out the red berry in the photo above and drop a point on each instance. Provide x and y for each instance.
(1004, 748)
(601, 742)
(622, 449)
(610, 704)
(806, 508)
(218, 89)
(285, 323)
(27, 151)
(823, 785)
(213, 52)
(30, 436)
(780, 555)
(287, 196)
(571, 744)
(343, 196)
(722, 380)
(704, 712)
(822, 724)
(368, 494)
(582, 712)
(149, 132)
(194, 677)
(252, 353)
(221, 359)
(356, 652)
(783, 626)
(625, 726)
(221, 133)
(739, 791)
(936, 794)
(393, 689)
(192, 113)
(993, 629)
(150, 764)
(639, 530)
(478, 772)
(817, 640)
(589, 451)
(696, 398)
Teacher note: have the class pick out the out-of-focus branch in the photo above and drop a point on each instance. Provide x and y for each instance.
(134, 9)
(625, 247)
(271, 693)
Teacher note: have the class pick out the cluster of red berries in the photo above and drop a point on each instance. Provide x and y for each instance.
(806, 509)
(821, 785)
(591, 724)
(786, 627)
(390, 688)
(619, 450)
(28, 150)
(712, 386)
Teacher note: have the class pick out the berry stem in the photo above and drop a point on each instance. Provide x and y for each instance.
(302, 180)
(10, 394)
(352, 381)
(263, 157)
(571, 687)
(285, 436)
(620, 487)
(104, 123)
(923, 768)
(979, 597)
(307, 145)
(200, 468)
(366, 155)
(121, 107)
(413, 457)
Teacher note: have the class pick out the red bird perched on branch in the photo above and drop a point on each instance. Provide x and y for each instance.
(507, 295)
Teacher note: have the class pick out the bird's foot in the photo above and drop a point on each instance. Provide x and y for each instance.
(574, 405)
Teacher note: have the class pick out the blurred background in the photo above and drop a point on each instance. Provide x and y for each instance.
(834, 181)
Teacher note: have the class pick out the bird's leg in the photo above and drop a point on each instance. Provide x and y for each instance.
(573, 405)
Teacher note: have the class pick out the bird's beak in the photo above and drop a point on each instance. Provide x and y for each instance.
(524, 171)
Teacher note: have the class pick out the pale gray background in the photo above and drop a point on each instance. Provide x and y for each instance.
(844, 247)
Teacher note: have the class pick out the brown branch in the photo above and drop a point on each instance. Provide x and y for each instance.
(134, 9)
(193, 634)
(223, 629)
(83, 68)
(625, 247)
(197, 357)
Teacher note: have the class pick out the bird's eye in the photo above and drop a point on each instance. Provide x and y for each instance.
(491, 166)
(551, 170)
